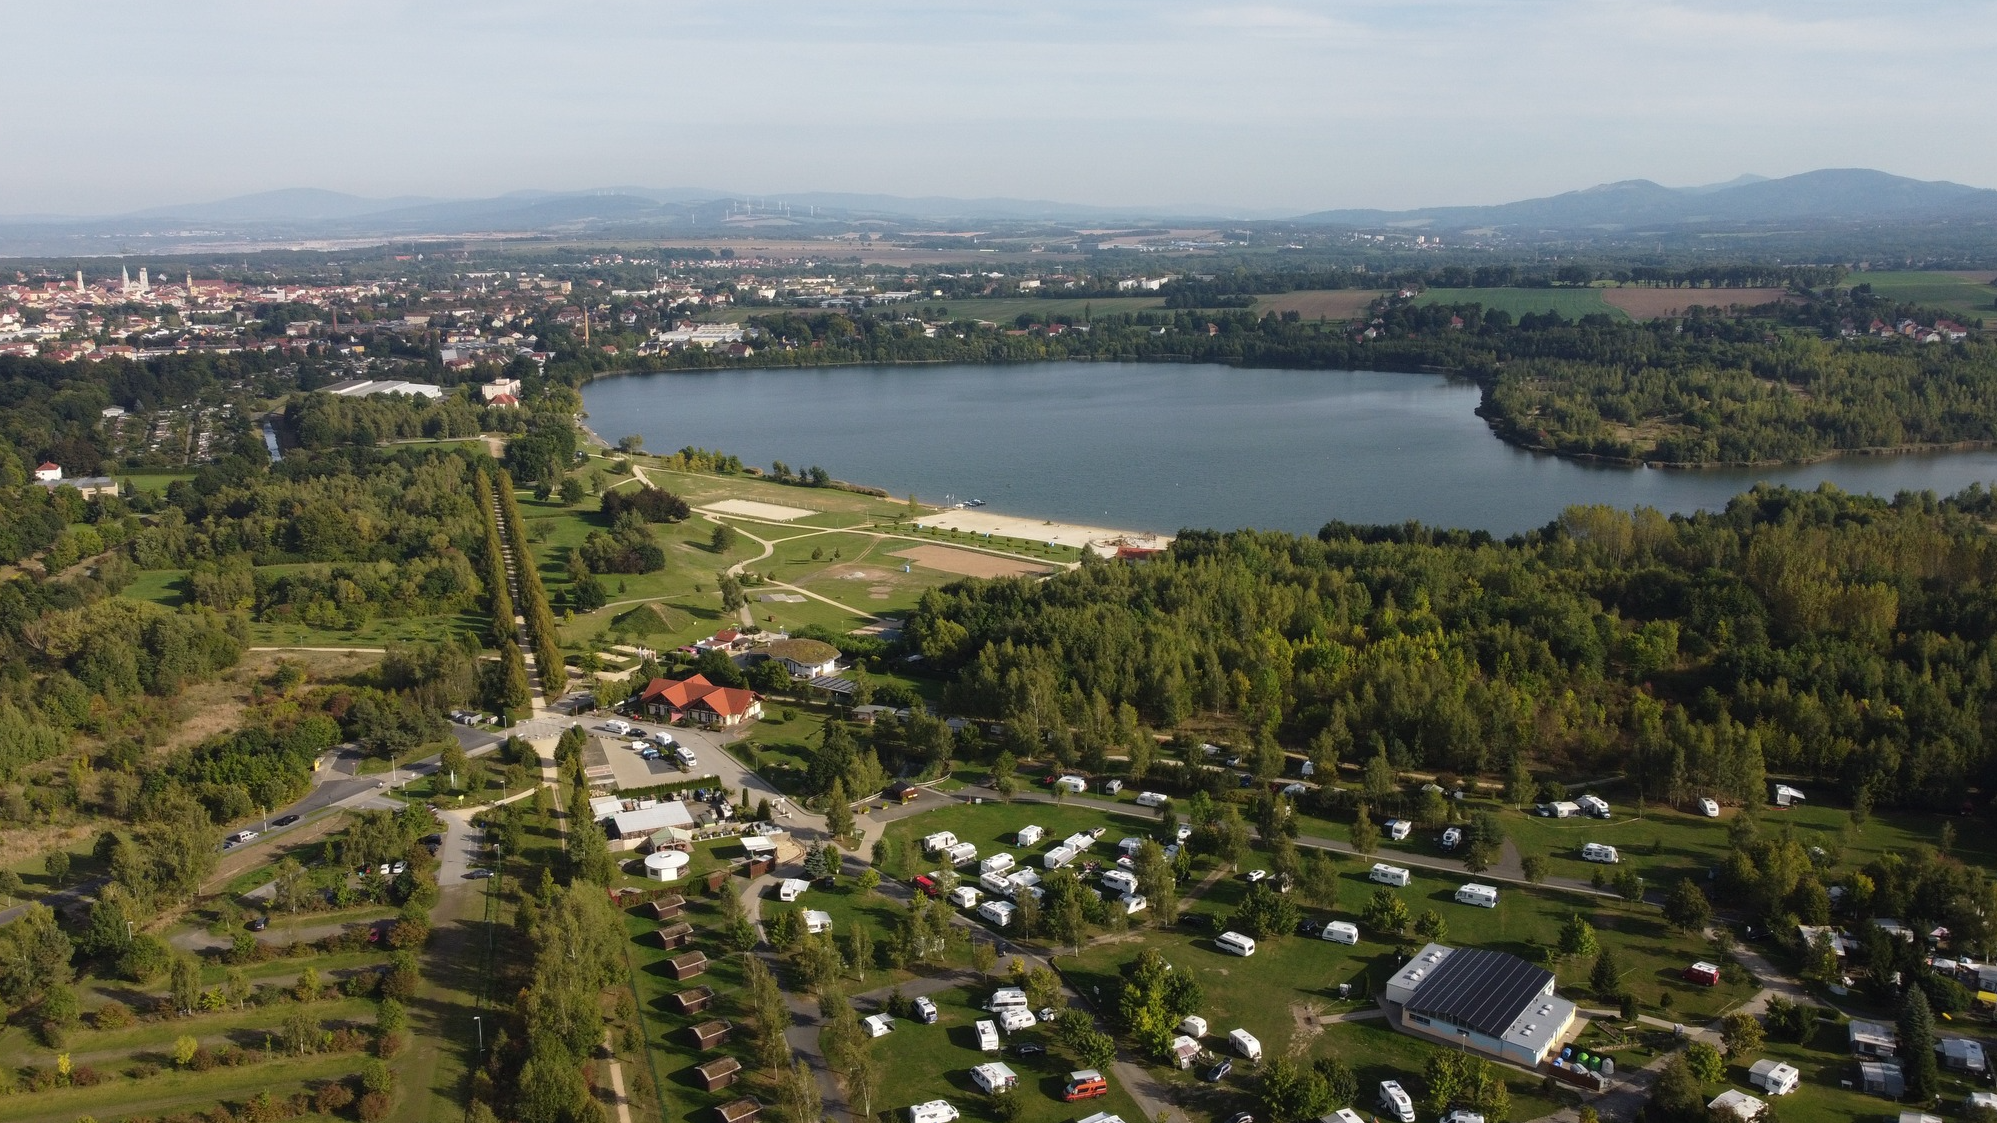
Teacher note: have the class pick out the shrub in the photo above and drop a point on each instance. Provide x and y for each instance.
(202, 1060)
(332, 1098)
(83, 1076)
(112, 1015)
(374, 1107)
(143, 1070)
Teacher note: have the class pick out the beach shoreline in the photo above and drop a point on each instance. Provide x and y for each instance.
(1106, 541)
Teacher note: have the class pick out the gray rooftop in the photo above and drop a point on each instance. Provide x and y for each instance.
(1480, 989)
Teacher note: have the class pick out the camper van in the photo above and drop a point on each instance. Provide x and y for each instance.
(935, 1111)
(1600, 852)
(1006, 998)
(1079, 841)
(994, 1077)
(1394, 1100)
(1030, 835)
(1073, 784)
(1774, 1077)
(1399, 829)
(940, 841)
(962, 853)
(996, 883)
(1235, 944)
(964, 897)
(1085, 1085)
(1059, 856)
(1133, 903)
(925, 1010)
(1120, 881)
(1452, 838)
(1111, 787)
(997, 863)
(1388, 875)
(988, 1038)
(998, 912)
(1559, 809)
(877, 1025)
(1012, 1019)
(1193, 1026)
(1705, 974)
(1245, 1043)
(1152, 799)
(1342, 1115)
(1483, 896)
(620, 728)
(792, 888)
(1594, 805)
(1342, 932)
(1709, 807)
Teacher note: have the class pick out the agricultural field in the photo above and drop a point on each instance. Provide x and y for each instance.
(1312, 304)
(1572, 303)
(1968, 296)
(1649, 303)
(998, 310)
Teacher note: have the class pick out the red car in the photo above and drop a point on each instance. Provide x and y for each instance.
(923, 882)
(1704, 974)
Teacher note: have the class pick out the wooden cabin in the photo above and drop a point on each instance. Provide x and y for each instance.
(744, 1110)
(676, 935)
(668, 907)
(708, 1034)
(718, 1073)
(687, 966)
(693, 1000)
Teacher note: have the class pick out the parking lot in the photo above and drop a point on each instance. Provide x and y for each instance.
(633, 771)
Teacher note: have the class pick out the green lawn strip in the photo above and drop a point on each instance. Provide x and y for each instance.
(1572, 303)
(934, 1062)
(83, 866)
(160, 586)
(379, 632)
(179, 1090)
(992, 827)
(1966, 297)
(245, 1028)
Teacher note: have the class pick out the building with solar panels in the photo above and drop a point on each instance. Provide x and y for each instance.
(1497, 1004)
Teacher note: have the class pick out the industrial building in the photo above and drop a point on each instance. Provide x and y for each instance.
(1495, 1003)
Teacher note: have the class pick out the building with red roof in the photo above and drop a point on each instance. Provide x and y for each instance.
(699, 701)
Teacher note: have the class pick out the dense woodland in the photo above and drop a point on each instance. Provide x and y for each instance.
(1840, 638)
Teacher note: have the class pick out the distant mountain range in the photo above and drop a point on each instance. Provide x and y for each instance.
(1834, 195)
(1830, 197)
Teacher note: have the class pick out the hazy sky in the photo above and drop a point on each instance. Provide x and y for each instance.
(117, 104)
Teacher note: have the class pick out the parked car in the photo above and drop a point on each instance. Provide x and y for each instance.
(1256, 875)
(398, 869)
(925, 1010)
(284, 820)
(1452, 838)
(259, 924)
(1028, 1049)
(1309, 927)
(1217, 1073)
(478, 873)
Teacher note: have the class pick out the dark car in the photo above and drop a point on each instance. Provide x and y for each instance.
(1217, 1073)
(480, 872)
(1246, 780)
(1028, 1050)
(432, 840)
(284, 820)
(259, 924)
(1195, 920)
(1242, 1117)
(1309, 927)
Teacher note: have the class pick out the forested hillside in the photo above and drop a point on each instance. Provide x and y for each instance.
(1818, 634)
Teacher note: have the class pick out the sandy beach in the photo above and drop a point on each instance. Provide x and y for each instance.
(1104, 540)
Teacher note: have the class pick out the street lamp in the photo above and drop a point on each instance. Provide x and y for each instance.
(479, 1024)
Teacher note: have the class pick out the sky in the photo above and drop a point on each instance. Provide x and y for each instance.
(1252, 109)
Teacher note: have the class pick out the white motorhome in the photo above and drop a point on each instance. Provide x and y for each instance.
(988, 1038)
(964, 897)
(1245, 1043)
(1120, 881)
(1559, 809)
(1152, 799)
(1483, 896)
(1030, 835)
(1079, 841)
(1022, 880)
(998, 912)
(994, 1077)
(935, 1111)
(1073, 784)
(938, 842)
(1388, 875)
(1709, 807)
(791, 889)
(1399, 829)
(1059, 856)
(877, 1025)
(1193, 1026)
(1133, 903)
(1774, 1077)
(1342, 1115)
(997, 863)
(1600, 852)
(1005, 998)
(1342, 932)
(1396, 1102)
(1111, 787)
(1235, 943)
(996, 883)
(962, 853)
(1594, 805)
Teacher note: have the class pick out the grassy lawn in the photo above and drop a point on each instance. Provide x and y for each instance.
(245, 1028)
(1571, 303)
(673, 1053)
(992, 827)
(151, 480)
(371, 633)
(160, 586)
(934, 1062)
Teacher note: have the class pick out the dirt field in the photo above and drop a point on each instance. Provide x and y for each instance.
(1332, 304)
(1651, 303)
(1035, 530)
(749, 508)
(968, 563)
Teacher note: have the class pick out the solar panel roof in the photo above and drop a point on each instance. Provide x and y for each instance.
(1481, 990)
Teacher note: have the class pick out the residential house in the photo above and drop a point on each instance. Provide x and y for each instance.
(804, 658)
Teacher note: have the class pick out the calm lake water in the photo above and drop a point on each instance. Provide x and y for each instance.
(1158, 447)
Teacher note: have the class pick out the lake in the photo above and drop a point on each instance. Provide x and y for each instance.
(1161, 446)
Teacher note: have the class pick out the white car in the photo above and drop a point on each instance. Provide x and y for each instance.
(1256, 875)
(1185, 832)
(398, 869)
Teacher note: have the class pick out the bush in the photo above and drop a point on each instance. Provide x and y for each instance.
(112, 1015)
(332, 1098)
(83, 1076)
(375, 1107)
(143, 1070)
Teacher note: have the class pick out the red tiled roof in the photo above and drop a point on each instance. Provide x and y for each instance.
(696, 691)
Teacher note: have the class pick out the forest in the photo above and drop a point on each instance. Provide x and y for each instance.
(1840, 638)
